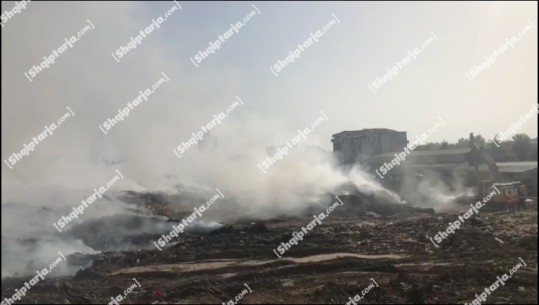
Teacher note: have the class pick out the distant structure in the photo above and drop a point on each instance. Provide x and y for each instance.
(360, 145)
(376, 147)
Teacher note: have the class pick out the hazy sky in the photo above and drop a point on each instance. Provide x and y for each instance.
(331, 75)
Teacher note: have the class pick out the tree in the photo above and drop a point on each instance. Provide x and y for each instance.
(480, 140)
(462, 143)
(497, 152)
(521, 146)
(429, 146)
(444, 145)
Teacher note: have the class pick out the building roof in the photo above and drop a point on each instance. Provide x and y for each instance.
(512, 167)
(503, 167)
(367, 130)
(445, 166)
(421, 153)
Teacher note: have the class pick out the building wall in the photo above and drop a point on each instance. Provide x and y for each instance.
(356, 146)
(392, 142)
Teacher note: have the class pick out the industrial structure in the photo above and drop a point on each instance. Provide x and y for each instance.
(360, 145)
(373, 148)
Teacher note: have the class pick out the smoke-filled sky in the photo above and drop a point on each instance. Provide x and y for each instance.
(331, 75)
(334, 75)
(330, 79)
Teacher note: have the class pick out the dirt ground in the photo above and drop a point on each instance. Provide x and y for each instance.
(335, 261)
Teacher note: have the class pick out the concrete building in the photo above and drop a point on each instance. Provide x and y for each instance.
(360, 145)
(374, 148)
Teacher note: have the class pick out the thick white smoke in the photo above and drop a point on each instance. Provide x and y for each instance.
(67, 166)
